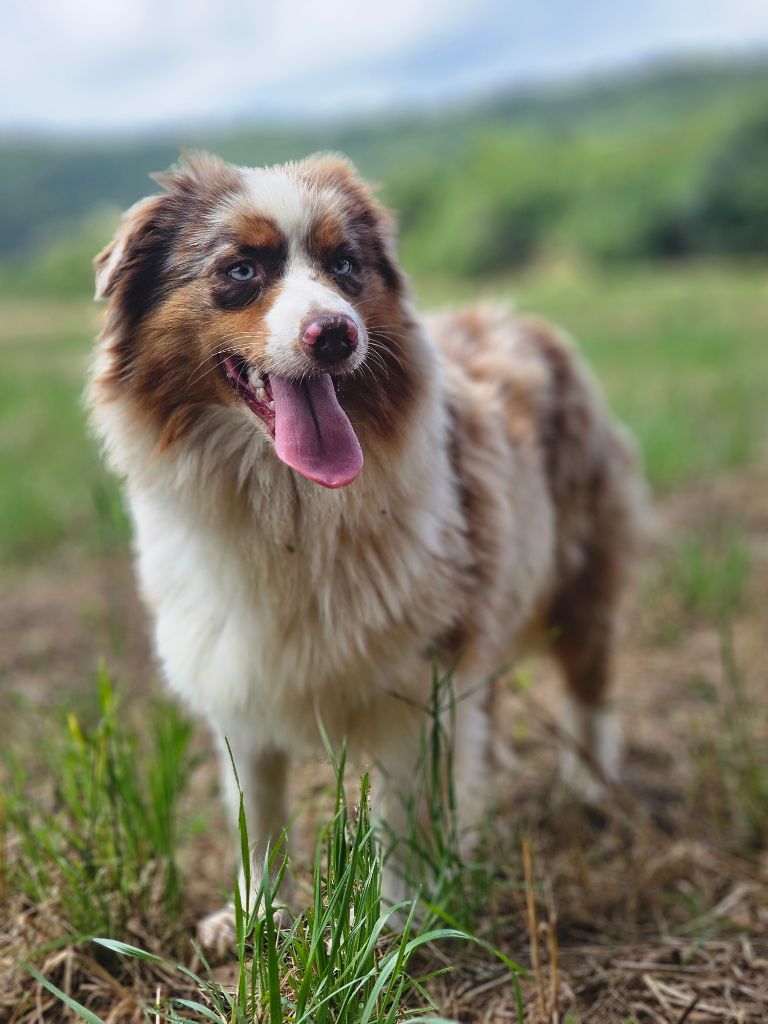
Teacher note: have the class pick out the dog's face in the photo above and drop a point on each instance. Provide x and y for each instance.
(268, 289)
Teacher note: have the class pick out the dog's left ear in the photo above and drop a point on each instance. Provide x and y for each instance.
(135, 232)
(131, 267)
(335, 172)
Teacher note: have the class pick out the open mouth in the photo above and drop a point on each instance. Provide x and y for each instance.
(253, 386)
(311, 431)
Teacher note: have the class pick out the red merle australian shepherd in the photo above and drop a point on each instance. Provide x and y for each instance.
(329, 491)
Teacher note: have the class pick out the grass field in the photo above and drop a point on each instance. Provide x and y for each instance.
(653, 908)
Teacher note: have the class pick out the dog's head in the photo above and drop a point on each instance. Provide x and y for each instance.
(274, 290)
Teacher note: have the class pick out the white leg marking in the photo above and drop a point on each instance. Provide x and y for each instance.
(263, 776)
(594, 731)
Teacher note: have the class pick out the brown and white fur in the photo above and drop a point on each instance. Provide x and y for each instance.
(498, 502)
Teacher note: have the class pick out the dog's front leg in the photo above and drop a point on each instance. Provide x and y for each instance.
(262, 772)
(428, 782)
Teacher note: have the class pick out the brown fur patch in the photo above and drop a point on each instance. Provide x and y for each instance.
(588, 464)
(146, 259)
(469, 439)
(330, 170)
(255, 231)
(382, 395)
(521, 374)
(326, 235)
(472, 343)
(200, 177)
(175, 370)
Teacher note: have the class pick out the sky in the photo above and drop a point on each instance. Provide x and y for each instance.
(91, 66)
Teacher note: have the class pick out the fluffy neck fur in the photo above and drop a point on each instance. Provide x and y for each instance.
(371, 565)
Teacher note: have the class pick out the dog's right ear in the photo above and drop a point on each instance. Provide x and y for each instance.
(137, 233)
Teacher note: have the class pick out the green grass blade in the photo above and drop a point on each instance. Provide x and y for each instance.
(83, 1011)
(191, 1004)
(125, 949)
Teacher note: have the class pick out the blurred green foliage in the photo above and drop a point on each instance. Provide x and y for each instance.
(730, 212)
(669, 163)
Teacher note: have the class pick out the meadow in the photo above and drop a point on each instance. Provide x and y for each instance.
(650, 908)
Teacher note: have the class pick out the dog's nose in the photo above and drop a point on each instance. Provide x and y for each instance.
(330, 339)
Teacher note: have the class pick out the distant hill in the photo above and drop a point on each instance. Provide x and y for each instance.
(587, 166)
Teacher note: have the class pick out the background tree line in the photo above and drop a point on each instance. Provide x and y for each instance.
(668, 164)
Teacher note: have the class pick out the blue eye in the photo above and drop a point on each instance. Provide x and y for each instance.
(342, 267)
(242, 271)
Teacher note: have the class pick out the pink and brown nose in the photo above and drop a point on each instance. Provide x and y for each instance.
(330, 339)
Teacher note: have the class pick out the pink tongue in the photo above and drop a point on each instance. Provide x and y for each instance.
(312, 432)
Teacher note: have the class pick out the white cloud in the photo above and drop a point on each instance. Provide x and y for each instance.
(119, 61)
(116, 64)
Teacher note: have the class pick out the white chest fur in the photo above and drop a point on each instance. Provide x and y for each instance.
(299, 596)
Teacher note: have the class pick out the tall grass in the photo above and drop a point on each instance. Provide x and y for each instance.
(730, 785)
(346, 960)
(431, 853)
(102, 843)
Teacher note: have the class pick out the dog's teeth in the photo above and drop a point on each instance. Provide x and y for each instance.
(271, 406)
(261, 393)
(256, 379)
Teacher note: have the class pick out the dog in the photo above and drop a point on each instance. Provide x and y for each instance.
(330, 495)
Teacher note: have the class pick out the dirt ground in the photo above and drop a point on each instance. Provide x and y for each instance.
(653, 908)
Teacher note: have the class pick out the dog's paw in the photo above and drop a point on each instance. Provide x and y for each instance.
(216, 932)
(593, 731)
(581, 781)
